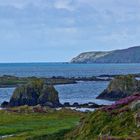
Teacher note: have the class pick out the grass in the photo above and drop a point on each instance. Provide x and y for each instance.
(36, 125)
(101, 123)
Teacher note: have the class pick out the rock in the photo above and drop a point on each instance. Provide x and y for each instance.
(137, 119)
(135, 105)
(49, 96)
(95, 106)
(120, 87)
(4, 104)
(34, 93)
(75, 105)
(67, 104)
(86, 105)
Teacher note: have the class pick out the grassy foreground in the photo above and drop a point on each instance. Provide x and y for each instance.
(37, 125)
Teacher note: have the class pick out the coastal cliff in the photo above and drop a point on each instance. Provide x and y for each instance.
(130, 55)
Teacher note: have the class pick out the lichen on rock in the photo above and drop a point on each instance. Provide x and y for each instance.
(120, 87)
(34, 93)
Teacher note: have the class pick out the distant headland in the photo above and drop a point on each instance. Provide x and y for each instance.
(129, 55)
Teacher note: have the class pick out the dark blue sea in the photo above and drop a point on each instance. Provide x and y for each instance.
(82, 92)
(66, 70)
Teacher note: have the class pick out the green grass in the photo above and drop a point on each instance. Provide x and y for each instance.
(102, 123)
(24, 126)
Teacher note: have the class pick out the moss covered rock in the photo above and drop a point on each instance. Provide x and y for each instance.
(120, 87)
(33, 93)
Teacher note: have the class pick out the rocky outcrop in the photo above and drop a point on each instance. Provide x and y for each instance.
(85, 105)
(34, 93)
(135, 105)
(120, 87)
(4, 104)
(130, 55)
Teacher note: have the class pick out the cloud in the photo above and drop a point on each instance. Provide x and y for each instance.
(21, 4)
(92, 21)
(64, 4)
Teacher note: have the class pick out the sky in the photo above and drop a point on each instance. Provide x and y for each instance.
(58, 30)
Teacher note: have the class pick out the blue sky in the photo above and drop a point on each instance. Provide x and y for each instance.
(57, 30)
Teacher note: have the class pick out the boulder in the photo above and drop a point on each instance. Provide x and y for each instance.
(120, 87)
(66, 104)
(34, 93)
(4, 104)
(95, 106)
(75, 104)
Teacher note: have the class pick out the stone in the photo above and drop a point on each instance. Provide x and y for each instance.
(135, 105)
(34, 93)
(5, 104)
(120, 87)
(66, 104)
(75, 105)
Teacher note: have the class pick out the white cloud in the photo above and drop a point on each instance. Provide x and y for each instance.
(23, 3)
(64, 4)
(74, 19)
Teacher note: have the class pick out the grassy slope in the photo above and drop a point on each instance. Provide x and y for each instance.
(100, 123)
(35, 125)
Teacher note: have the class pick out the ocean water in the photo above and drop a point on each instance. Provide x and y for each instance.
(66, 70)
(82, 92)
(5, 94)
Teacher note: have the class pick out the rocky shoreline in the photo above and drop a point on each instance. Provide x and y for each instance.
(37, 92)
(7, 81)
(40, 91)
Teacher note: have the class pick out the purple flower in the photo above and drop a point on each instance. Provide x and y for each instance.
(122, 102)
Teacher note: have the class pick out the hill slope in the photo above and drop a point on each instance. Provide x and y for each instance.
(120, 121)
(130, 55)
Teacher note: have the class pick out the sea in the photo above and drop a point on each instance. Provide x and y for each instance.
(82, 92)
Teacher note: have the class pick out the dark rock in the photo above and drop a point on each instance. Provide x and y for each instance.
(95, 105)
(75, 105)
(67, 104)
(4, 104)
(34, 93)
(120, 87)
(49, 96)
(86, 105)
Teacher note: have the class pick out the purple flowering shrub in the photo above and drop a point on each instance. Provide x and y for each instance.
(122, 102)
